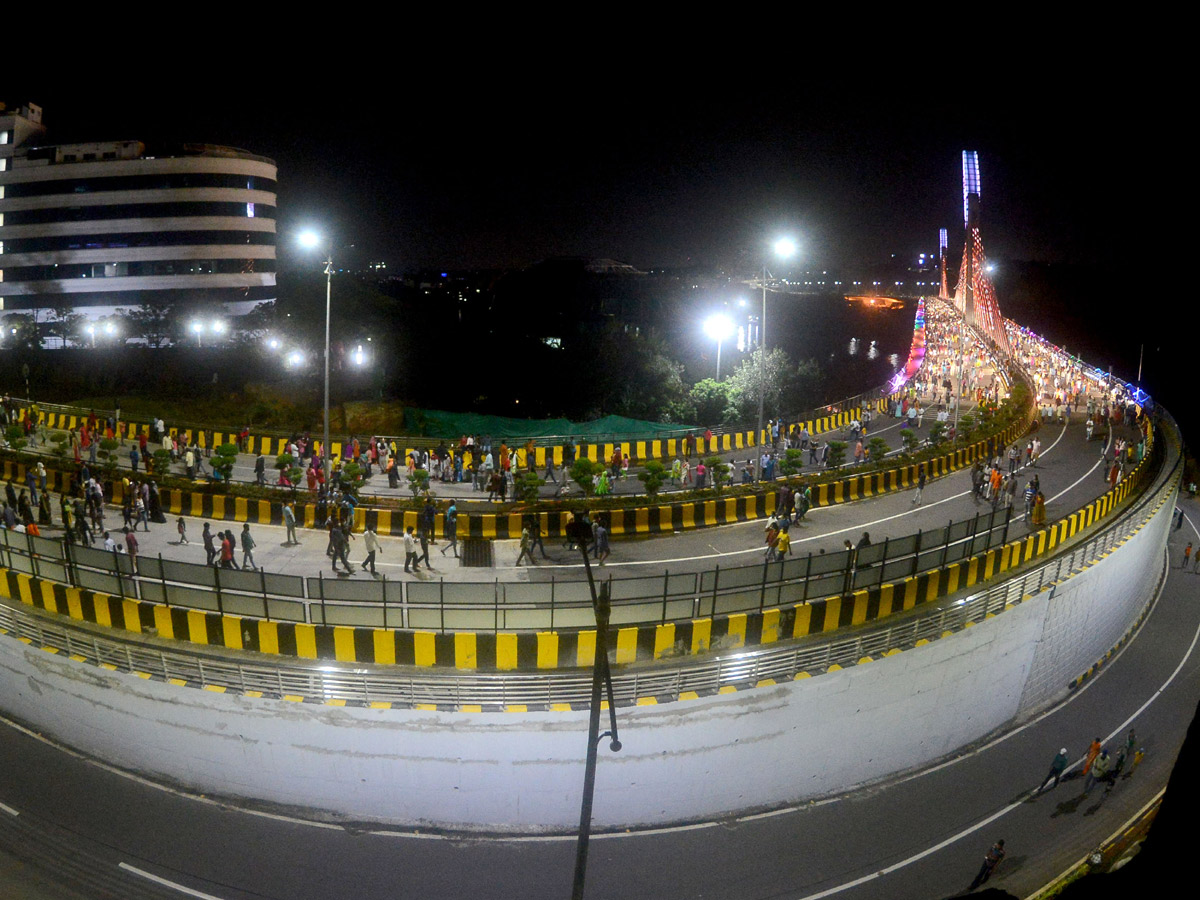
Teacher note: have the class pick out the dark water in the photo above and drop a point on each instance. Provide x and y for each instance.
(857, 347)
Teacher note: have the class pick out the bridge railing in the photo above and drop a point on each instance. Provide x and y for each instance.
(444, 606)
(404, 686)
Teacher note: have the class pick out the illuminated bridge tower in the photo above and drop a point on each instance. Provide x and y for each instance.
(975, 297)
(943, 245)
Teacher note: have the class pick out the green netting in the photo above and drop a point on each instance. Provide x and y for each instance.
(440, 423)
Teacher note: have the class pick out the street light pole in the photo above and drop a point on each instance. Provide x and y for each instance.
(762, 376)
(325, 447)
(784, 248)
(601, 678)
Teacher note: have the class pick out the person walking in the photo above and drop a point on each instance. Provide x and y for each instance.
(600, 533)
(227, 547)
(339, 545)
(371, 545)
(210, 547)
(450, 529)
(1092, 753)
(424, 533)
(1099, 771)
(991, 859)
(260, 470)
(410, 551)
(1187, 554)
(289, 521)
(783, 543)
(248, 545)
(1057, 767)
(526, 547)
(920, 485)
(131, 545)
(181, 527)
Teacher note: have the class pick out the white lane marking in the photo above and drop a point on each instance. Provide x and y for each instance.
(149, 876)
(855, 527)
(982, 823)
(8, 809)
(1085, 474)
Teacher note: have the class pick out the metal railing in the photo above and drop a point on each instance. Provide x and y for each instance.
(453, 688)
(496, 605)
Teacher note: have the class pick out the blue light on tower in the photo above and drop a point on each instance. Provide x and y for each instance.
(970, 178)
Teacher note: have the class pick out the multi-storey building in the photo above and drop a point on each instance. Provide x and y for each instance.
(106, 227)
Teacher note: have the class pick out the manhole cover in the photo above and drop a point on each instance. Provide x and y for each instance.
(476, 553)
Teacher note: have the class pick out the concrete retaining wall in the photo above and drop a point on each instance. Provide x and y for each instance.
(523, 770)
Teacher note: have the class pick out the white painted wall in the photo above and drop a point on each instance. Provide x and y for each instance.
(524, 771)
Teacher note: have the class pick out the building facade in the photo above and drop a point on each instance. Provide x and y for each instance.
(109, 227)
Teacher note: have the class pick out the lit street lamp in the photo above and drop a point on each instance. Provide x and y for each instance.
(91, 330)
(311, 240)
(198, 329)
(720, 328)
(784, 248)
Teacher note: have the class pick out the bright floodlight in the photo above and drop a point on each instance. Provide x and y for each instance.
(197, 327)
(309, 239)
(218, 326)
(359, 357)
(785, 247)
(295, 358)
(719, 327)
(110, 328)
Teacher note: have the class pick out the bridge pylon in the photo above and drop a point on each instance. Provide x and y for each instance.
(975, 296)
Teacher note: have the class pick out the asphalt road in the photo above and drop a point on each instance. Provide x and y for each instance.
(915, 837)
(1069, 472)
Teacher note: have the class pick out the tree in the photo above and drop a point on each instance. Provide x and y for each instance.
(20, 330)
(64, 323)
(712, 402)
(788, 387)
(154, 321)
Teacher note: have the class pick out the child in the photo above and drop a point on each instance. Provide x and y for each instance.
(182, 527)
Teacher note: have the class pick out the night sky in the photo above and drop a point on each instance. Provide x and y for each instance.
(505, 170)
(661, 151)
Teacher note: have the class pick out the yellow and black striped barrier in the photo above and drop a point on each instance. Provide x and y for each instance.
(662, 449)
(662, 518)
(519, 650)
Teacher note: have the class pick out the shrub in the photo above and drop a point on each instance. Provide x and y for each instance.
(792, 462)
(223, 459)
(837, 453)
(718, 470)
(879, 450)
(418, 482)
(526, 487)
(652, 476)
(582, 473)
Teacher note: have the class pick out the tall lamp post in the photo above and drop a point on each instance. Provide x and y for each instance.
(312, 240)
(784, 248)
(720, 328)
